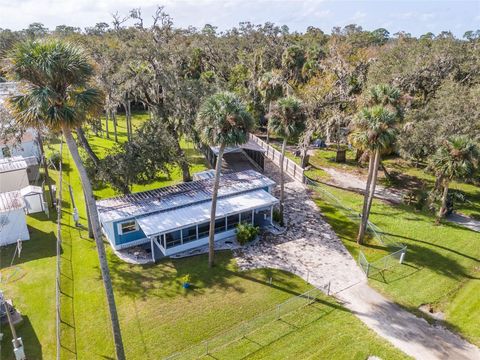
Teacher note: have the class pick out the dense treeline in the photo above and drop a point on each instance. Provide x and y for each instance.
(170, 70)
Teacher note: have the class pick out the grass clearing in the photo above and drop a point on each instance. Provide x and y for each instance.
(442, 264)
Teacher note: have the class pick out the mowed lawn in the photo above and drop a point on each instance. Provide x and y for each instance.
(442, 266)
(157, 315)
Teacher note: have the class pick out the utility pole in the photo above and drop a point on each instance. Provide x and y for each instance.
(17, 342)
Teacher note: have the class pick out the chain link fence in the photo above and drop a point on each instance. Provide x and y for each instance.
(398, 249)
(248, 336)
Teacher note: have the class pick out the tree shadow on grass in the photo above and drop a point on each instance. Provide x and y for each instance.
(32, 346)
(422, 257)
(164, 279)
(41, 245)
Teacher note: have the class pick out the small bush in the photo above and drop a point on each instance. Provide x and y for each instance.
(55, 158)
(418, 198)
(246, 233)
(276, 217)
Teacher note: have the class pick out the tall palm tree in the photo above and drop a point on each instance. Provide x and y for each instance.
(287, 119)
(375, 132)
(222, 121)
(55, 79)
(458, 157)
(273, 85)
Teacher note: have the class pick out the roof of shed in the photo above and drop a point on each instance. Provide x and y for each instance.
(184, 194)
(12, 164)
(31, 189)
(11, 200)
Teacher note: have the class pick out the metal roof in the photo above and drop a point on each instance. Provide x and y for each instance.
(31, 189)
(12, 164)
(170, 220)
(249, 145)
(184, 194)
(11, 200)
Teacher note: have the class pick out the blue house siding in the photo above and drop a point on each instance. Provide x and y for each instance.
(126, 238)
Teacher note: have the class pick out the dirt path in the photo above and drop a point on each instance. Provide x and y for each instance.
(465, 221)
(351, 182)
(311, 250)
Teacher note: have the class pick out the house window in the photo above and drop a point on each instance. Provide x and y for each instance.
(203, 230)
(173, 239)
(6, 151)
(128, 226)
(189, 234)
(246, 217)
(232, 221)
(219, 225)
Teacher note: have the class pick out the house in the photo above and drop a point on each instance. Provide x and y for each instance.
(176, 218)
(28, 145)
(13, 174)
(13, 222)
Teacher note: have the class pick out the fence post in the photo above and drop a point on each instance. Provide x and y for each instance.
(328, 289)
(402, 256)
(368, 268)
(206, 347)
(278, 311)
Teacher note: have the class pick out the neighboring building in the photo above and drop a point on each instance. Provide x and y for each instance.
(28, 145)
(33, 198)
(13, 222)
(27, 148)
(176, 218)
(13, 174)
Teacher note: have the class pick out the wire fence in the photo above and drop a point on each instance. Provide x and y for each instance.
(59, 253)
(370, 268)
(249, 335)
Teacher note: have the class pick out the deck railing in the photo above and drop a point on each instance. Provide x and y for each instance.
(289, 166)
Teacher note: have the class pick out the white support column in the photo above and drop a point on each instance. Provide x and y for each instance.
(271, 215)
(151, 247)
(253, 217)
(196, 227)
(181, 236)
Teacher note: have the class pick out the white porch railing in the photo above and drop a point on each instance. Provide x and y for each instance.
(289, 166)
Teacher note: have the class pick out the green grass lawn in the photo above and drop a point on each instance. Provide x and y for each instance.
(442, 264)
(157, 315)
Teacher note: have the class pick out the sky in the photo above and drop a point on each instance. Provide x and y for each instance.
(416, 17)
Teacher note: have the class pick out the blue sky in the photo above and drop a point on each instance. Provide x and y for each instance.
(416, 17)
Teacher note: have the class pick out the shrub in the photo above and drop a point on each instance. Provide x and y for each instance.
(186, 279)
(55, 158)
(246, 233)
(276, 217)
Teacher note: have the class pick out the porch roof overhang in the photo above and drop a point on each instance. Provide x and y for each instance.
(167, 221)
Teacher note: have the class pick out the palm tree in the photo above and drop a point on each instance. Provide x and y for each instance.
(222, 121)
(287, 120)
(457, 157)
(273, 85)
(375, 133)
(55, 79)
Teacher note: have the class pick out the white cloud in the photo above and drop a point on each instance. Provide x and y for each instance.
(359, 15)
